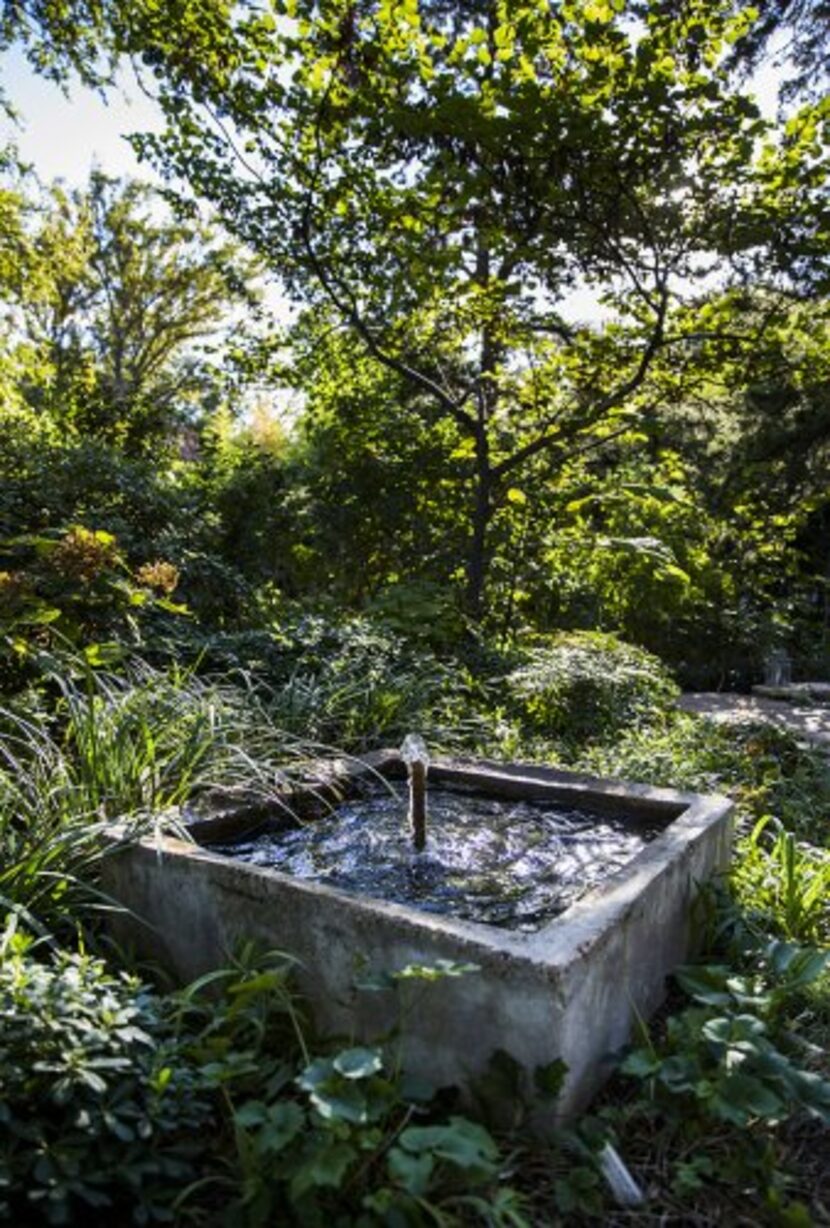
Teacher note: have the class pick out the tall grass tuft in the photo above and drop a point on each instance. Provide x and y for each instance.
(146, 740)
(132, 747)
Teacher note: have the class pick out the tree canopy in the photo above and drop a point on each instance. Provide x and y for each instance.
(542, 251)
(440, 179)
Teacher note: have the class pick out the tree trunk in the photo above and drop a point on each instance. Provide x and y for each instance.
(478, 560)
(486, 401)
(482, 513)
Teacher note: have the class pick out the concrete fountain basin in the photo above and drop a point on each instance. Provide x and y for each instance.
(571, 990)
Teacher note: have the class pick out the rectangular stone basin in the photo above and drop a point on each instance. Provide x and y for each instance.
(571, 990)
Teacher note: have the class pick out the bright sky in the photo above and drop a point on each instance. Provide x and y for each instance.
(65, 136)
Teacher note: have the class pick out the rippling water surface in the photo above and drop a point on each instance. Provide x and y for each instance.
(516, 864)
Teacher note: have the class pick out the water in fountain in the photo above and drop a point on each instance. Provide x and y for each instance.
(511, 863)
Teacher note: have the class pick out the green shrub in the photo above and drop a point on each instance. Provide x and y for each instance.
(122, 1106)
(729, 1073)
(148, 740)
(101, 1113)
(358, 684)
(763, 768)
(422, 610)
(72, 587)
(721, 1053)
(349, 1145)
(49, 841)
(48, 483)
(331, 1138)
(585, 685)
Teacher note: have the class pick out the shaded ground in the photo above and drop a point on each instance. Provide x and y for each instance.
(809, 722)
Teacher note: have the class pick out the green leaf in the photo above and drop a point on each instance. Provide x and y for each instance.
(40, 616)
(327, 1166)
(252, 1113)
(548, 1079)
(285, 1121)
(462, 1143)
(729, 1029)
(751, 1097)
(413, 1172)
(171, 607)
(316, 1074)
(374, 982)
(434, 972)
(103, 654)
(641, 1064)
(706, 983)
(358, 1063)
(798, 966)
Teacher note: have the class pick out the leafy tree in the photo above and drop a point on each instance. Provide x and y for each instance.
(116, 314)
(375, 477)
(435, 179)
(439, 178)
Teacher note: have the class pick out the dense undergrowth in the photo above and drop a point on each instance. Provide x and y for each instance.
(216, 1105)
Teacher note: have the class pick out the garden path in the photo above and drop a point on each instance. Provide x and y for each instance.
(809, 722)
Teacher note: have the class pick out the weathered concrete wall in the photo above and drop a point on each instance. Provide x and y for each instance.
(568, 991)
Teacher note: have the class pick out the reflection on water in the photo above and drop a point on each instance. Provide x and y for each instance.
(515, 864)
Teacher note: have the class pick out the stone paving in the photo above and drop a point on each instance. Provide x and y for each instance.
(810, 722)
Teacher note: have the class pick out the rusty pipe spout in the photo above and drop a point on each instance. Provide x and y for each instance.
(415, 756)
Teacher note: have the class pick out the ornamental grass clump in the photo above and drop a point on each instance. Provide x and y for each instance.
(133, 747)
(146, 741)
(50, 841)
